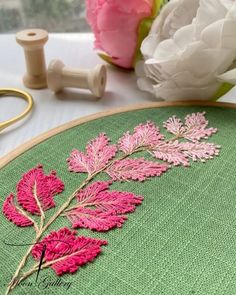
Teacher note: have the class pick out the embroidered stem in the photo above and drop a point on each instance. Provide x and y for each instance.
(66, 204)
(42, 215)
(44, 265)
(15, 281)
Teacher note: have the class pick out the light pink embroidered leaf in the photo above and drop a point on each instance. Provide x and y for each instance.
(135, 169)
(34, 184)
(98, 154)
(196, 127)
(14, 214)
(79, 162)
(95, 219)
(174, 126)
(172, 153)
(200, 150)
(145, 135)
(66, 252)
(100, 209)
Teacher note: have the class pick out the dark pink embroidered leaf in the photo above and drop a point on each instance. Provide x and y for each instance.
(172, 153)
(174, 126)
(98, 154)
(95, 219)
(97, 195)
(145, 135)
(65, 252)
(196, 127)
(135, 169)
(200, 151)
(99, 209)
(14, 214)
(35, 184)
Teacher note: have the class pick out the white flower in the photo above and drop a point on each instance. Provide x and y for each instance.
(190, 48)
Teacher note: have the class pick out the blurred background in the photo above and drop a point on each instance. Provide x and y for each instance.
(51, 15)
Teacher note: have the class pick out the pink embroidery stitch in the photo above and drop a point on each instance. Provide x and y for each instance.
(98, 154)
(174, 126)
(135, 169)
(67, 251)
(200, 150)
(195, 127)
(95, 219)
(12, 214)
(172, 153)
(108, 207)
(34, 184)
(144, 135)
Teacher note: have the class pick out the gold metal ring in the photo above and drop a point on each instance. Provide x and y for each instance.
(18, 93)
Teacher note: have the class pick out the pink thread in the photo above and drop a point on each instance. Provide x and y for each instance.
(200, 150)
(145, 135)
(135, 169)
(100, 209)
(13, 215)
(95, 219)
(73, 251)
(174, 125)
(179, 153)
(45, 187)
(172, 153)
(195, 127)
(98, 154)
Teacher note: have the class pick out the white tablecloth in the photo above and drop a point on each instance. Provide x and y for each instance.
(50, 110)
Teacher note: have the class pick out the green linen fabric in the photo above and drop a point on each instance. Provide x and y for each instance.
(180, 241)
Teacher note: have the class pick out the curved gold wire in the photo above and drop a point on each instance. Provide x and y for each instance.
(18, 93)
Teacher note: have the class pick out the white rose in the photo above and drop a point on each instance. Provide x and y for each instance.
(190, 50)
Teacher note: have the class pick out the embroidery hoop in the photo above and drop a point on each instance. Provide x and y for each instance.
(16, 93)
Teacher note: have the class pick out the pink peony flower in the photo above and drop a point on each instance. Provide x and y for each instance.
(120, 26)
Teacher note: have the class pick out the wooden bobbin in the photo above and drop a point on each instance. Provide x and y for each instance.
(60, 76)
(33, 41)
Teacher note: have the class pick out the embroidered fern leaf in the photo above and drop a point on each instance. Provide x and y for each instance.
(14, 214)
(179, 153)
(145, 135)
(98, 154)
(172, 153)
(174, 125)
(100, 209)
(135, 169)
(36, 190)
(95, 219)
(65, 252)
(195, 127)
(200, 151)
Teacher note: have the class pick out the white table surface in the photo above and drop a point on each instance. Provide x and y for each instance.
(53, 110)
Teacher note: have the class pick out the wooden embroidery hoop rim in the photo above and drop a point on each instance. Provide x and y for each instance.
(16, 93)
(44, 136)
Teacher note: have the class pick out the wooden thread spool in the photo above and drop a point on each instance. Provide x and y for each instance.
(33, 41)
(60, 76)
